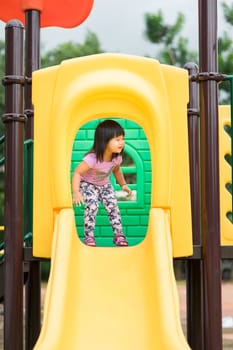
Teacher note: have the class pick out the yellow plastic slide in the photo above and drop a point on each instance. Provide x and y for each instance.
(112, 298)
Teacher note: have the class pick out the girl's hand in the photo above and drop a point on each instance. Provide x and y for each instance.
(77, 198)
(127, 189)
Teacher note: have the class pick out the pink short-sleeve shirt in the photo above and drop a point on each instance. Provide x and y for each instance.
(99, 172)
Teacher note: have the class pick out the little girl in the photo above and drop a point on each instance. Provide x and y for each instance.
(91, 183)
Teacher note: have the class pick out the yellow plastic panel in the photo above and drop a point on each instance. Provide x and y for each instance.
(109, 298)
(43, 214)
(112, 85)
(176, 81)
(225, 176)
(108, 85)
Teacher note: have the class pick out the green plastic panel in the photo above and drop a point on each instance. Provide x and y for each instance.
(136, 167)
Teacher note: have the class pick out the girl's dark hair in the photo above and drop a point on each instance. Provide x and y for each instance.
(104, 132)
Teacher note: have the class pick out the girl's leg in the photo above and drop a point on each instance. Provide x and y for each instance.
(109, 201)
(108, 198)
(90, 196)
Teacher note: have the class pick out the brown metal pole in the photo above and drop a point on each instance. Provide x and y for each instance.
(14, 127)
(210, 216)
(32, 63)
(195, 312)
(33, 285)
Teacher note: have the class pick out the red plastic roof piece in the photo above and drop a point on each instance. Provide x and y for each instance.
(60, 13)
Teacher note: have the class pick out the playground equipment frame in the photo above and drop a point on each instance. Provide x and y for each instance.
(204, 315)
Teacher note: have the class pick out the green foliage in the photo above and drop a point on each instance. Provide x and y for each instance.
(173, 47)
(69, 49)
(225, 64)
(228, 12)
(177, 55)
(156, 30)
(225, 49)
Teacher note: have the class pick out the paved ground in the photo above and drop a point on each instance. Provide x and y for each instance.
(227, 311)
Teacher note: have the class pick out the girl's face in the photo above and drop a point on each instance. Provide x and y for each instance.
(116, 144)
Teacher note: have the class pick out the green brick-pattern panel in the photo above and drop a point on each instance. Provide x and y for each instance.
(134, 213)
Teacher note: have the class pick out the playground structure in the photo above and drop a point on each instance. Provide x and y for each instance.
(111, 277)
(203, 275)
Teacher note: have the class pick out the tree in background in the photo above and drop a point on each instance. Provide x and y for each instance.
(69, 49)
(173, 48)
(225, 49)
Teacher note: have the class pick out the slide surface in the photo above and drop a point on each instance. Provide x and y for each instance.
(112, 298)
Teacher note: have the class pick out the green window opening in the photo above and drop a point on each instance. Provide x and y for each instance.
(136, 167)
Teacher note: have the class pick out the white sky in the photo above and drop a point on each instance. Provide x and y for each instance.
(119, 25)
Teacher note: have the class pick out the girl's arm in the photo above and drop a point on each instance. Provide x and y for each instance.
(121, 180)
(81, 169)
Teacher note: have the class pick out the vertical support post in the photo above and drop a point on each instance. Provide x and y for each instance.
(14, 125)
(210, 218)
(231, 104)
(33, 285)
(32, 63)
(195, 312)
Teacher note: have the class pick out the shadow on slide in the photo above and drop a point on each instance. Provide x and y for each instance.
(112, 298)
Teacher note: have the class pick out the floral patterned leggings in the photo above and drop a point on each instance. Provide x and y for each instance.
(92, 195)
